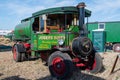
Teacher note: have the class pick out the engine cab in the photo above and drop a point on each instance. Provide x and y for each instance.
(54, 22)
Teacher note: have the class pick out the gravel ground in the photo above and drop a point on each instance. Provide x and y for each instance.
(36, 69)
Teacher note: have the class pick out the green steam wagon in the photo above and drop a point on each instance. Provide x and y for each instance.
(110, 37)
(58, 37)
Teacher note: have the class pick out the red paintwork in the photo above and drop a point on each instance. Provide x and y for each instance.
(60, 30)
(80, 65)
(44, 56)
(83, 64)
(58, 65)
(47, 30)
(14, 53)
(76, 60)
(94, 64)
(79, 62)
(27, 45)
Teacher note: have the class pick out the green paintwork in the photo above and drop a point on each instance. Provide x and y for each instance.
(34, 41)
(112, 30)
(26, 19)
(61, 10)
(45, 41)
(91, 27)
(73, 29)
(23, 31)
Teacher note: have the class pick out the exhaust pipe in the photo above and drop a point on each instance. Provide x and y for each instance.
(81, 7)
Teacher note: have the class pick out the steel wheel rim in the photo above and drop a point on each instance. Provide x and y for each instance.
(58, 65)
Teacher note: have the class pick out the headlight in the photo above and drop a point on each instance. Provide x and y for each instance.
(60, 42)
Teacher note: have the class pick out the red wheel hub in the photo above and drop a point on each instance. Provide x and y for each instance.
(58, 65)
(14, 53)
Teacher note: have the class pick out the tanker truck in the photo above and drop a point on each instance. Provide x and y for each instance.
(58, 36)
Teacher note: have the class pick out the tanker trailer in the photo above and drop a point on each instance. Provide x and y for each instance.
(55, 36)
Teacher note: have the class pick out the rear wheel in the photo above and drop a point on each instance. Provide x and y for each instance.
(97, 64)
(16, 54)
(60, 65)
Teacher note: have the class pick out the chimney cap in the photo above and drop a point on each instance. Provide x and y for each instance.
(81, 5)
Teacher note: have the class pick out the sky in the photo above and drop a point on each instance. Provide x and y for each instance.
(13, 11)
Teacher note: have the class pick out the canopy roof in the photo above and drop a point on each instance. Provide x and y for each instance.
(61, 10)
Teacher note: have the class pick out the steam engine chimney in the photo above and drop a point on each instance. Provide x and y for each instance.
(81, 9)
(82, 45)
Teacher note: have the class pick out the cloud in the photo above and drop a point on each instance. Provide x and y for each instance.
(13, 12)
(65, 3)
(27, 7)
(104, 10)
(22, 10)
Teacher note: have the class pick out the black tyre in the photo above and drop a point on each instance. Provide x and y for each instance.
(16, 53)
(60, 65)
(97, 64)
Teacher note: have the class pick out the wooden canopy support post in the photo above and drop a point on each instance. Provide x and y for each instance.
(75, 20)
(118, 56)
(45, 25)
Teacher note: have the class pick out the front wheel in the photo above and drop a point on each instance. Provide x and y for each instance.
(60, 65)
(97, 64)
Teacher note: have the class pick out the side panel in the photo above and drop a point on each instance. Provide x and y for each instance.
(113, 32)
(34, 42)
(46, 41)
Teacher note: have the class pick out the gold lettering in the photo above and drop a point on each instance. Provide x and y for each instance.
(51, 37)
